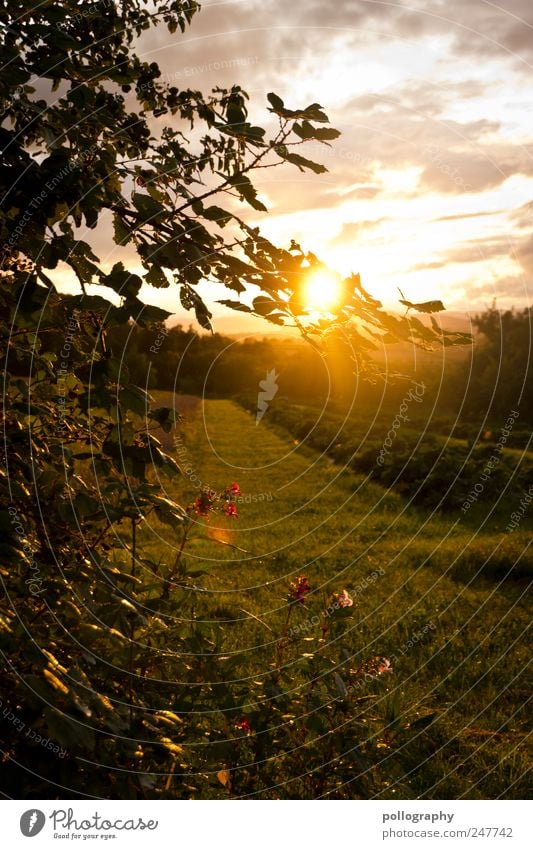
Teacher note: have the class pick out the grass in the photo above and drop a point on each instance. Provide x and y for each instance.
(424, 462)
(429, 592)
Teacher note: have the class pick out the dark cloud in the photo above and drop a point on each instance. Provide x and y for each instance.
(476, 27)
(499, 31)
(277, 38)
(262, 44)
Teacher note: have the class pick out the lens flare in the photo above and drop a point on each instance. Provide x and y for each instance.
(323, 291)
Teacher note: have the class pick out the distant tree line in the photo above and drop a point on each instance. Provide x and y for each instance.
(492, 378)
(214, 365)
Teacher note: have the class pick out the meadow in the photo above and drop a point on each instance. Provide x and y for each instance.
(416, 690)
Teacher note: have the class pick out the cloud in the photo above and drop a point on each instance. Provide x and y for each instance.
(480, 250)
(284, 42)
(462, 215)
(486, 29)
(351, 230)
(476, 28)
(523, 216)
(282, 46)
(291, 191)
(366, 192)
(427, 266)
(482, 167)
(426, 98)
(524, 255)
(454, 157)
(513, 288)
(474, 250)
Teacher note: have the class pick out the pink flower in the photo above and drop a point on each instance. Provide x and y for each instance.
(230, 510)
(243, 725)
(343, 599)
(204, 503)
(384, 665)
(298, 589)
(235, 489)
(374, 666)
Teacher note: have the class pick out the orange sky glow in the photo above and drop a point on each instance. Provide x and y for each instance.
(430, 186)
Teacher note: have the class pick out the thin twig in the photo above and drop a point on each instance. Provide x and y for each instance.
(256, 618)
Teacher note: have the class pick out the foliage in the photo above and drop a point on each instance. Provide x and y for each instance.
(99, 657)
(501, 375)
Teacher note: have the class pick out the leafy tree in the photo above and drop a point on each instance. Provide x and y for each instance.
(501, 375)
(90, 135)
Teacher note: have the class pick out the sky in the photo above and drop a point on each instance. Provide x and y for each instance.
(430, 186)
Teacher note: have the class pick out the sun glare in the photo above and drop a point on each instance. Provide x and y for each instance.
(323, 291)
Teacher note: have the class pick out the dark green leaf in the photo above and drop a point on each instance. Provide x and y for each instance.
(300, 161)
(236, 305)
(135, 399)
(275, 101)
(148, 207)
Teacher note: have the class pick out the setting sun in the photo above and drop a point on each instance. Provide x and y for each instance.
(323, 290)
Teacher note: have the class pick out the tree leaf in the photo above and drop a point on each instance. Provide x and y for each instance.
(275, 101)
(147, 206)
(300, 161)
(224, 776)
(236, 305)
(135, 399)
(264, 305)
(247, 191)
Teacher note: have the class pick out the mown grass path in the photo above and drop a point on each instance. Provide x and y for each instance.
(420, 589)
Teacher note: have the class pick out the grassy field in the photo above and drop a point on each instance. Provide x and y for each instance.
(450, 721)
(435, 462)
